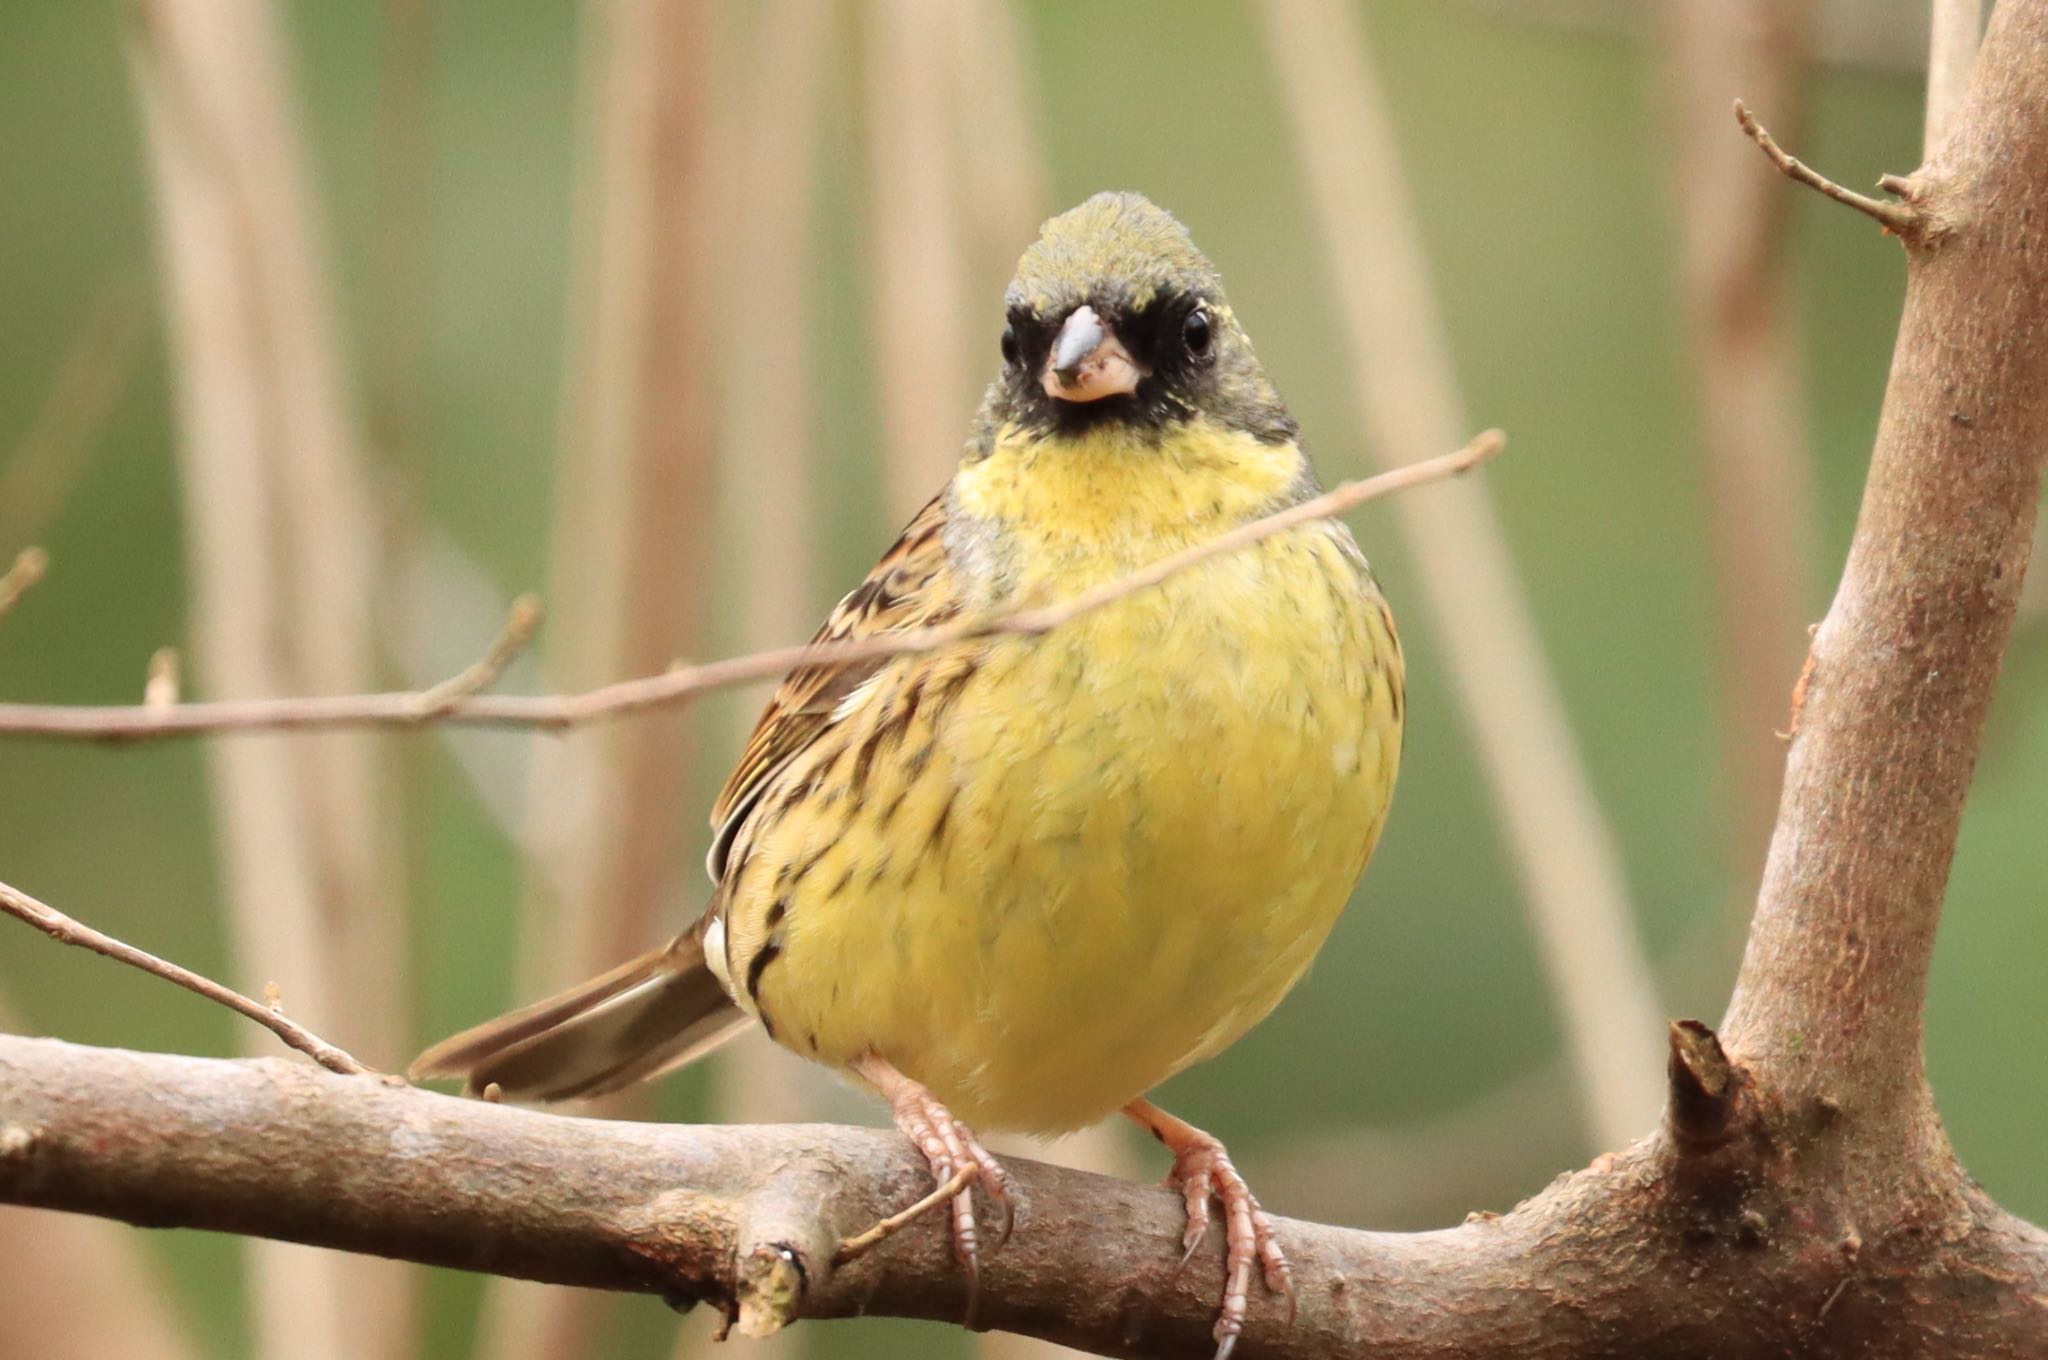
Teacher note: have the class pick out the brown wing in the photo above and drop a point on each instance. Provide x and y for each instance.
(911, 587)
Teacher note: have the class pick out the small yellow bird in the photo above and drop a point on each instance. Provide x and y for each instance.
(1020, 881)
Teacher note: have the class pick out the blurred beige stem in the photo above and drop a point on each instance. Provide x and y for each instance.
(633, 518)
(443, 595)
(1494, 1149)
(36, 478)
(24, 574)
(1005, 177)
(1955, 29)
(1884, 36)
(61, 1270)
(400, 285)
(403, 243)
(81, 1289)
(1407, 395)
(281, 555)
(920, 347)
(628, 586)
(767, 406)
(1748, 378)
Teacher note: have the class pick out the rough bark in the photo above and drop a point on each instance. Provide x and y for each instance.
(1707, 1240)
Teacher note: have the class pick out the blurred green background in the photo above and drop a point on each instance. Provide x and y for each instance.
(1422, 1057)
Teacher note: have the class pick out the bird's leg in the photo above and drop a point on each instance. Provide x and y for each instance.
(1202, 1172)
(953, 1152)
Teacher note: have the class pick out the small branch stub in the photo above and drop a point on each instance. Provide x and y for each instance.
(771, 1290)
(1900, 219)
(16, 1143)
(1704, 1088)
(160, 690)
(521, 623)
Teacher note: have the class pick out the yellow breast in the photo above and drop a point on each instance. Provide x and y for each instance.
(1092, 857)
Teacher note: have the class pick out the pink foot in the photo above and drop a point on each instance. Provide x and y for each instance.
(957, 1159)
(1203, 1173)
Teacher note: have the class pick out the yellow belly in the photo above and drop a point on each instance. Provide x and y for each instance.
(1108, 853)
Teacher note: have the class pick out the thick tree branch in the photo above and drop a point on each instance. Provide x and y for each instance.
(1829, 1003)
(1651, 1252)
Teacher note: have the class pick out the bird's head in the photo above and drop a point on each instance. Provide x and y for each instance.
(1115, 321)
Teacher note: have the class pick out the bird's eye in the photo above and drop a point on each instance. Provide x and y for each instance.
(1009, 344)
(1194, 332)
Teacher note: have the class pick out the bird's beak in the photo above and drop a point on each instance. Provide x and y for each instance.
(1088, 362)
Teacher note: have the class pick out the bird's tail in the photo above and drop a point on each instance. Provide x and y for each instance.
(658, 1012)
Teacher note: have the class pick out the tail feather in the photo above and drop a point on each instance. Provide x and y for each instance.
(643, 1018)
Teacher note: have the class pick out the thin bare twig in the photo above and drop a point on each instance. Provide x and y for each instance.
(684, 683)
(521, 622)
(860, 1244)
(65, 930)
(30, 566)
(1900, 219)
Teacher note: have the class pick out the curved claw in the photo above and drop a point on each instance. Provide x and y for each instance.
(1195, 1193)
(1203, 1173)
(995, 1183)
(958, 1162)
